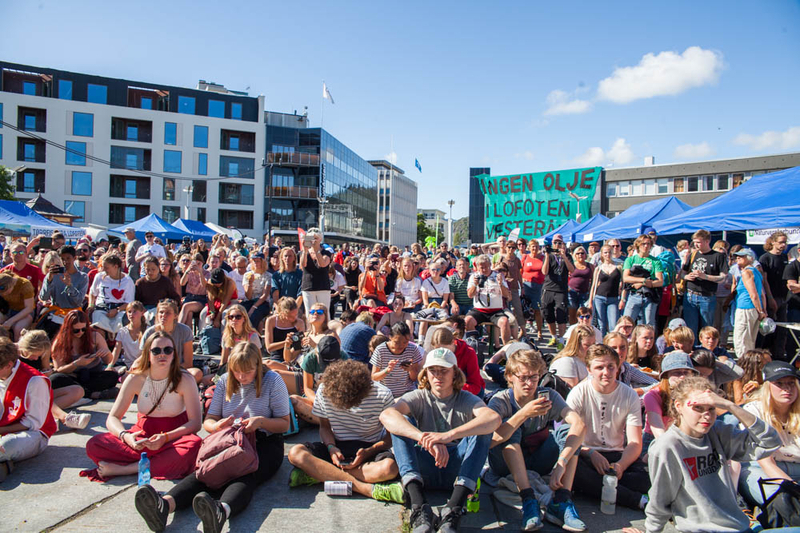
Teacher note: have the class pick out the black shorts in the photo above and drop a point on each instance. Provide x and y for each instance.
(554, 307)
(481, 317)
(349, 448)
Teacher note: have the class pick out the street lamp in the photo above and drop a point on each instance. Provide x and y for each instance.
(188, 190)
(450, 224)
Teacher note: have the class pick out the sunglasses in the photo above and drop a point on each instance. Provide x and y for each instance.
(317, 312)
(558, 242)
(149, 235)
(584, 317)
(78, 330)
(18, 252)
(166, 350)
(235, 317)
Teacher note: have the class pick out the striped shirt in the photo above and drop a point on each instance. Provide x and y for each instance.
(273, 402)
(458, 287)
(398, 380)
(357, 423)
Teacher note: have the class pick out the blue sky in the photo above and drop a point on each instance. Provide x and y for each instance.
(521, 86)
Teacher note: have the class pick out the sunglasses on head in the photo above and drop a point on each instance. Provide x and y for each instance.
(317, 312)
(78, 330)
(166, 350)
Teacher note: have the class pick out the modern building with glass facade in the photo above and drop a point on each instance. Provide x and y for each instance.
(315, 176)
(111, 151)
(397, 205)
(476, 204)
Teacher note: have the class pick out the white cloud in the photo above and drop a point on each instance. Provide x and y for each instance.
(783, 140)
(693, 151)
(620, 153)
(667, 73)
(562, 103)
(527, 154)
(391, 157)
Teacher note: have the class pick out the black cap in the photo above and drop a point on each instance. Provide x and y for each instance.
(187, 239)
(329, 349)
(775, 370)
(258, 255)
(217, 276)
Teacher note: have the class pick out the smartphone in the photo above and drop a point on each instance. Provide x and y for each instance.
(345, 463)
(543, 394)
(46, 242)
(140, 441)
(237, 422)
(405, 364)
(60, 270)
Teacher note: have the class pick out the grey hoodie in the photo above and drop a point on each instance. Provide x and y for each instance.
(691, 481)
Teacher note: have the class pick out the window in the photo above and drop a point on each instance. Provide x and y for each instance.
(65, 89)
(611, 190)
(82, 124)
(623, 188)
(201, 136)
(28, 87)
(232, 193)
(235, 219)
(236, 111)
(97, 94)
(130, 187)
(202, 164)
(1, 147)
(216, 108)
(28, 152)
(233, 142)
(76, 153)
(172, 161)
(146, 102)
(124, 214)
(170, 133)
(171, 213)
(636, 188)
(723, 184)
(186, 105)
(30, 181)
(201, 214)
(737, 179)
(692, 184)
(130, 158)
(74, 207)
(663, 185)
(239, 167)
(199, 188)
(707, 183)
(29, 122)
(649, 187)
(132, 132)
(81, 183)
(169, 189)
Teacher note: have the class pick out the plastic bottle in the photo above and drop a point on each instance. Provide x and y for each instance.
(608, 497)
(144, 470)
(339, 488)
(474, 501)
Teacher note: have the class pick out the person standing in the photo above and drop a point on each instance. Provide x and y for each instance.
(750, 300)
(773, 262)
(556, 269)
(149, 249)
(514, 280)
(644, 275)
(130, 254)
(532, 279)
(703, 271)
(605, 292)
(314, 261)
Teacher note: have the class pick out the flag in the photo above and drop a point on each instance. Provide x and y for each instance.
(300, 234)
(416, 164)
(326, 93)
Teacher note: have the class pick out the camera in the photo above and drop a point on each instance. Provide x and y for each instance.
(548, 249)
(482, 280)
(60, 270)
(297, 339)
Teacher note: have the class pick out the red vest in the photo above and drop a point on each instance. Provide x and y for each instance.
(14, 402)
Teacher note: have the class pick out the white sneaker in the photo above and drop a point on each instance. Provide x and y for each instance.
(82, 401)
(74, 420)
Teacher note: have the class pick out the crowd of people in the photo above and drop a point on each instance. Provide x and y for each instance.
(388, 351)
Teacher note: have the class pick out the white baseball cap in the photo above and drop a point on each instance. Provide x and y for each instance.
(440, 357)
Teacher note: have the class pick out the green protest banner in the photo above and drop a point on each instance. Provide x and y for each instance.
(537, 203)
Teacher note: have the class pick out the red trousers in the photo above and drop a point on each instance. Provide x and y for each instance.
(174, 460)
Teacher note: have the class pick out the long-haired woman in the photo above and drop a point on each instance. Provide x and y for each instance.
(167, 321)
(570, 363)
(237, 329)
(642, 350)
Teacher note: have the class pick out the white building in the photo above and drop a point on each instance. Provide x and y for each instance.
(431, 217)
(118, 150)
(397, 205)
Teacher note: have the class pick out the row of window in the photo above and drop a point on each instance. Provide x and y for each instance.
(125, 214)
(667, 186)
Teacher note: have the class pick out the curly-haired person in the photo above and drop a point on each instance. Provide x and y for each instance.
(355, 447)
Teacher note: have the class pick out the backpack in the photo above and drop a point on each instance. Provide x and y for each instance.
(667, 259)
(782, 509)
(225, 455)
(211, 340)
(551, 381)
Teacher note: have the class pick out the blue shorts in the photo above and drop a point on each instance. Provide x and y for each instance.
(533, 293)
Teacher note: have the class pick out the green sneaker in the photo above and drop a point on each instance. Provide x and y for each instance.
(388, 492)
(298, 478)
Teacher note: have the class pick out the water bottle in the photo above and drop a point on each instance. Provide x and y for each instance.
(144, 470)
(473, 500)
(339, 488)
(608, 498)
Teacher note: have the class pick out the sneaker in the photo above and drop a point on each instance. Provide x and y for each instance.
(81, 402)
(6, 467)
(449, 520)
(298, 478)
(388, 492)
(108, 394)
(152, 507)
(210, 511)
(565, 515)
(421, 519)
(552, 342)
(77, 421)
(531, 515)
(559, 345)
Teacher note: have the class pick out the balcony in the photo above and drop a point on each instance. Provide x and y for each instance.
(289, 224)
(298, 159)
(293, 192)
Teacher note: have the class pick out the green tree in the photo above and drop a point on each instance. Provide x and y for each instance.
(7, 188)
(423, 231)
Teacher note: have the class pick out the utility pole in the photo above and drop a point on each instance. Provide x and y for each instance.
(268, 171)
(450, 224)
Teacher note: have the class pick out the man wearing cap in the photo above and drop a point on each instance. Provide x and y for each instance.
(314, 364)
(22, 268)
(556, 268)
(149, 249)
(750, 302)
(130, 254)
(445, 443)
(656, 250)
(704, 270)
(773, 264)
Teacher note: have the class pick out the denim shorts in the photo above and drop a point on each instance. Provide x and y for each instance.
(577, 299)
(533, 293)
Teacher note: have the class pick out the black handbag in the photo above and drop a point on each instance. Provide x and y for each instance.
(782, 509)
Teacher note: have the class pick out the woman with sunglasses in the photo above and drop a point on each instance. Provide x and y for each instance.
(167, 269)
(580, 282)
(168, 418)
(237, 329)
(166, 320)
(318, 326)
(193, 281)
(604, 295)
(80, 355)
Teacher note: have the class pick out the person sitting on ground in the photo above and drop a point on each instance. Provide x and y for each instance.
(167, 268)
(409, 285)
(278, 332)
(257, 396)
(709, 339)
(354, 446)
(318, 326)
(312, 366)
(257, 283)
(153, 287)
(459, 281)
(625, 326)
(570, 363)
(111, 292)
(613, 440)
(22, 267)
(127, 346)
(487, 289)
(778, 404)
(346, 317)
(752, 365)
(524, 442)
(372, 282)
(698, 496)
(628, 374)
(466, 357)
(26, 421)
(398, 314)
(237, 329)
(584, 317)
(166, 320)
(682, 339)
(34, 350)
(444, 442)
(397, 362)
(717, 371)
(18, 293)
(194, 280)
(642, 350)
(80, 356)
(169, 416)
(221, 293)
(355, 337)
(662, 342)
(495, 367)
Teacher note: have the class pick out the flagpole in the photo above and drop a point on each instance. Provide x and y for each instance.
(322, 113)
(391, 183)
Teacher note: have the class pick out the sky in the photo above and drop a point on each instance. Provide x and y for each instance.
(518, 86)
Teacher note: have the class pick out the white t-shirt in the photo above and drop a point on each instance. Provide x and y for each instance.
(338, 282)
(790, 451)
(409, 289)
(237, 279)
(436, 290)
(107, 290)
(606, 415)
(130, 348)
(155, 249)
(490, 296)
(597, 335)
(569, 367)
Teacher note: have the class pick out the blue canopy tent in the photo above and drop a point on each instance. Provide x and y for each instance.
(155, 224)
(195, 228)
(19, 218)
(575, 233)
(636, 220)
(563, 229)
(766, 201)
